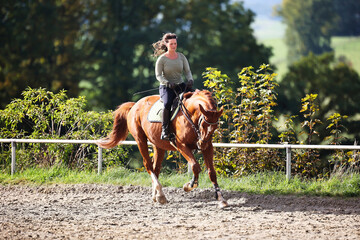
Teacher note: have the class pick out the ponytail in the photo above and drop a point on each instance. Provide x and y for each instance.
(160, 46)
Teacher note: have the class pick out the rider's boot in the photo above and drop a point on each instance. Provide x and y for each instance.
(165, 133)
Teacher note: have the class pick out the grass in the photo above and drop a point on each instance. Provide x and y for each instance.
(279, 59)
(343, 46)
(348, 47)
(341, 185)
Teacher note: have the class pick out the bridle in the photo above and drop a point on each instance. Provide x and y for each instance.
(202, 118)
(196, 128)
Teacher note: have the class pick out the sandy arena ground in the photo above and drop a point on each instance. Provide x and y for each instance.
(127, 212)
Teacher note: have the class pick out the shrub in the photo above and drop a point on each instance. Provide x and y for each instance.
(247, 118)
(41, 114)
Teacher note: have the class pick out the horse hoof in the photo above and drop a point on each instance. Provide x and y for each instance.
(187, 187)
(223, 204)
(161, 199)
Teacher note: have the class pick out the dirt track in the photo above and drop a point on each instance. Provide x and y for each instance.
(117, 212)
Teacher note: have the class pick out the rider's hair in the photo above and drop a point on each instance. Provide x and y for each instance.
(160, 46)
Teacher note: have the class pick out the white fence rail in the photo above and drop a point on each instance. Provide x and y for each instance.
(287, 147)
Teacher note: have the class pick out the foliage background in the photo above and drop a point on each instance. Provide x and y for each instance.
(42, 114)
(102, 50)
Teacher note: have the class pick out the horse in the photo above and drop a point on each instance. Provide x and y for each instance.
(193, 128)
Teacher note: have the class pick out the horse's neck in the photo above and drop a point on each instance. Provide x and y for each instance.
(193, 107)
(197, 98)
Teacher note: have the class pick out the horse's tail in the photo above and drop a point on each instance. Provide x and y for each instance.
(120, 129)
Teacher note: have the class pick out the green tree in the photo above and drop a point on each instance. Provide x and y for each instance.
(118, 46)
(310, 24)
(102, 49)
(38, 46)
(349, 17)
(336, 84)
(220, 36)
(211, 33)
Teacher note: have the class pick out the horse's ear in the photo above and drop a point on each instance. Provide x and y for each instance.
(202, 110)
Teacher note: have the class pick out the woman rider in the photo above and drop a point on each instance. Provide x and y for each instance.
(169, 68)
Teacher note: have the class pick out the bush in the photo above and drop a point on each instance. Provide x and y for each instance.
(45, 115)
(249, 117)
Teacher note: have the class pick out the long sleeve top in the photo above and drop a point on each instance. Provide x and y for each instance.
(171, 70)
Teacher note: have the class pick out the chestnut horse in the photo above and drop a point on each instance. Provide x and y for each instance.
(193, 128)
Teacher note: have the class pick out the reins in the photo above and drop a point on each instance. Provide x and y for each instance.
(186, 113)
(187, 116)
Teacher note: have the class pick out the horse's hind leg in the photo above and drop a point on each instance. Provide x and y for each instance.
(158, 194)
(150, 166)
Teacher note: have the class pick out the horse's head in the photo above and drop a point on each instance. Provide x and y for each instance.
(208, 123)
(205, 117)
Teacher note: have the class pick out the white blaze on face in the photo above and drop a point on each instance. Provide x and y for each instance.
(210, 129)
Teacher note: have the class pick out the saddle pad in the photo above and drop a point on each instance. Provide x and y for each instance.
(156, 111)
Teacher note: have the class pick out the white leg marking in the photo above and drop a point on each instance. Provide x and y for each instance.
(157, 195)
(222, 202)
(188, 188)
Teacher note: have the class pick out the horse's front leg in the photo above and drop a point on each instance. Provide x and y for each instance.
(208, 154)
(222, 202)
(195, 166)
(189, 186)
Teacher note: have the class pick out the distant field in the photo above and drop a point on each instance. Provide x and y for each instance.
(343, 46)
(349, 47)
(280, 53)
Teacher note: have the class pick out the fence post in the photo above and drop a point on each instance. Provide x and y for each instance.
(99, 160)
(13, 157)
(288, 161)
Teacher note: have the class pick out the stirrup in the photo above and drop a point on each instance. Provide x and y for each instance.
(167, 136)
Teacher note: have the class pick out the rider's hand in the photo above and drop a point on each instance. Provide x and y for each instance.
(190, 83)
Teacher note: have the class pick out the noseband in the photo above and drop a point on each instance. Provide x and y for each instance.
(202, 118)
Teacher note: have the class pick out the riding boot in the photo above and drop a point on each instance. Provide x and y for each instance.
(165, 133)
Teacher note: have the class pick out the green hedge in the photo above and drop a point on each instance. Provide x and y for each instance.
(41, 114)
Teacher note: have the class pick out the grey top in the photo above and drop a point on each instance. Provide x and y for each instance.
(170, 70)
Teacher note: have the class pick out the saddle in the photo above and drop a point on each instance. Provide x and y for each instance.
(156, 111)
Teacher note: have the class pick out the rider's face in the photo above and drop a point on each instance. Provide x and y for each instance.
(171, 45)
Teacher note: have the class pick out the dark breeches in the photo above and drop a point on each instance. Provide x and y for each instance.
(168, 94)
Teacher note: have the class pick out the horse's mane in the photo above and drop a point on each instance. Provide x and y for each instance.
(204, 95)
